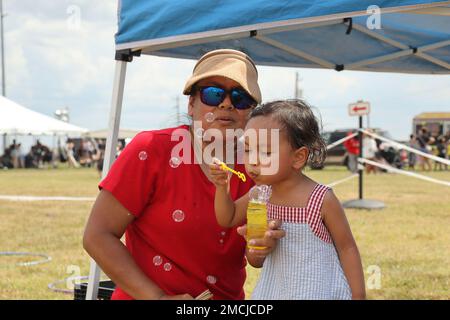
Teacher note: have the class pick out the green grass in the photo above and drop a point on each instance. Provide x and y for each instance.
(409, 240)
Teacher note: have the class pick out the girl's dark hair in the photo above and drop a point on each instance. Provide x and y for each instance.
(300, 123)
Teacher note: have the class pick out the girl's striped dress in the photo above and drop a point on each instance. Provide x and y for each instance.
(305, 264)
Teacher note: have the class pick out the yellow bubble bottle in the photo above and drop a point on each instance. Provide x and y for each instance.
(256, 215)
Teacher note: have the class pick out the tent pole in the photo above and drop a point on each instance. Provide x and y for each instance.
(4, 143)
(2, 42)
(110, 155)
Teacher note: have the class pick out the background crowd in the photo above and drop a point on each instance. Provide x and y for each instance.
(75, 153)
(88, 152)
(385, 153)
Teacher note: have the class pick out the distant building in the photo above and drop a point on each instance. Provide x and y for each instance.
(437, 123)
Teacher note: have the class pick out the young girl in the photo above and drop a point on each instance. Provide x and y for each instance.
(318, 258)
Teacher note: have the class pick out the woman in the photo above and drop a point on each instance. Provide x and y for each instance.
(174, 247)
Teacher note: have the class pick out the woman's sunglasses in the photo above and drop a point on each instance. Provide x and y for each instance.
(213, 96)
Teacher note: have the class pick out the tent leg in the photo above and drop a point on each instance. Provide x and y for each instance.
(110, 155)
(4, 143)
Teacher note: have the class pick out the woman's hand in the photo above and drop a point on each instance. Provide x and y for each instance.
(273, 234)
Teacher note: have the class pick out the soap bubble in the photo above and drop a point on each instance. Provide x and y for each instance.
(167, 266)
(209, 117)
(157, 260)
(199, 132)
(174, 162)
(178, 215)
(142, 155)
(211, 279)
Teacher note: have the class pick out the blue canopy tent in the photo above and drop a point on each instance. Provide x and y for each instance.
(402, 36)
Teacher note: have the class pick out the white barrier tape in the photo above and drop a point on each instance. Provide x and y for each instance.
(47, 258)
(406, 173)
(34, 198)
(74, 280)
(405, 147)
(334, 144)
(335, 183)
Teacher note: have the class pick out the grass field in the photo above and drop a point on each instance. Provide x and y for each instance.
(409, 240)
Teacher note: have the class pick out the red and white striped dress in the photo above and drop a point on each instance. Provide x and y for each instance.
(305, 264)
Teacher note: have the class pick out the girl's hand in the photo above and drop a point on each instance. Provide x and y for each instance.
(218, 176)
(270, 240)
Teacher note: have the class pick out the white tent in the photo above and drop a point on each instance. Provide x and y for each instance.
(103, 134)
(18, 120)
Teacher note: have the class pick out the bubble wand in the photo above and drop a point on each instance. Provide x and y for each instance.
(224, 167)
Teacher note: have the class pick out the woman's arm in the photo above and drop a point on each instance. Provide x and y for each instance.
(335, 220)
(106, 225)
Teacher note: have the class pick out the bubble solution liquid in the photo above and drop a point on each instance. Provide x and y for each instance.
(257, 214)
(256, 222)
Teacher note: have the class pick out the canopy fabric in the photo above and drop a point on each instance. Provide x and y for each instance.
(414, 35)
(16, 119)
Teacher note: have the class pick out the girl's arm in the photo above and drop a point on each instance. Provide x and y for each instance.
(228, 213)
(336, 222)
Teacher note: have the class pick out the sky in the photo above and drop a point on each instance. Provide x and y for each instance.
(61, 54)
